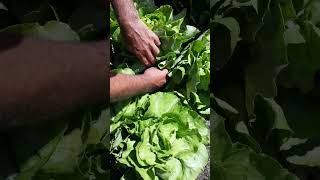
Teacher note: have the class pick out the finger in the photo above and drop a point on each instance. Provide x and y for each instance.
(150, 57)
(155, 50)
(145, 61)
(165, 71)
(157, 40)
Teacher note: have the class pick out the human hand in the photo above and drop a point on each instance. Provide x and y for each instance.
(141, 41)
(155, 78)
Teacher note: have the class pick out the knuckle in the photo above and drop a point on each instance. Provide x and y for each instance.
(150, 44)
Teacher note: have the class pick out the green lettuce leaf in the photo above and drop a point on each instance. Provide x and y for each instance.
(190, 74)
(52, 30)
(238, 161)
(169, 28)
(160, 137)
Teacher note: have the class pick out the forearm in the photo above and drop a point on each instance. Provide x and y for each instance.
(124, 86)
(44, 79)
(125, 11)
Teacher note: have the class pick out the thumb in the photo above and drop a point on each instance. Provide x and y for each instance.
(165, 71)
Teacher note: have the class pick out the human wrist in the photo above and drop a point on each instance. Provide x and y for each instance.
(148, 83)
(129, 23)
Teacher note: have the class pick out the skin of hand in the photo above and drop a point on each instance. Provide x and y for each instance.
(140, 40)
(124, 86)
(156, 78)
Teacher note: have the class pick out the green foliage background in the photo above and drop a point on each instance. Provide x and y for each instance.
(266, 89)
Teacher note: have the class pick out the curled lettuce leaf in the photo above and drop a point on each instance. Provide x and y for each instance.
(160, 137)
(190, 74)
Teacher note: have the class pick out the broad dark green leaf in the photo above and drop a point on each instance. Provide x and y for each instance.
(52, 30)
(264, 67)
(303, 60)
(270, 117)
(301, 112)
(288, 10)
(225, 39)
(66, 155)
(315, 13)
(311, 158)
(293, 35)
(288, 144)
(36, 162)
(221, 145)
(239, 161)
